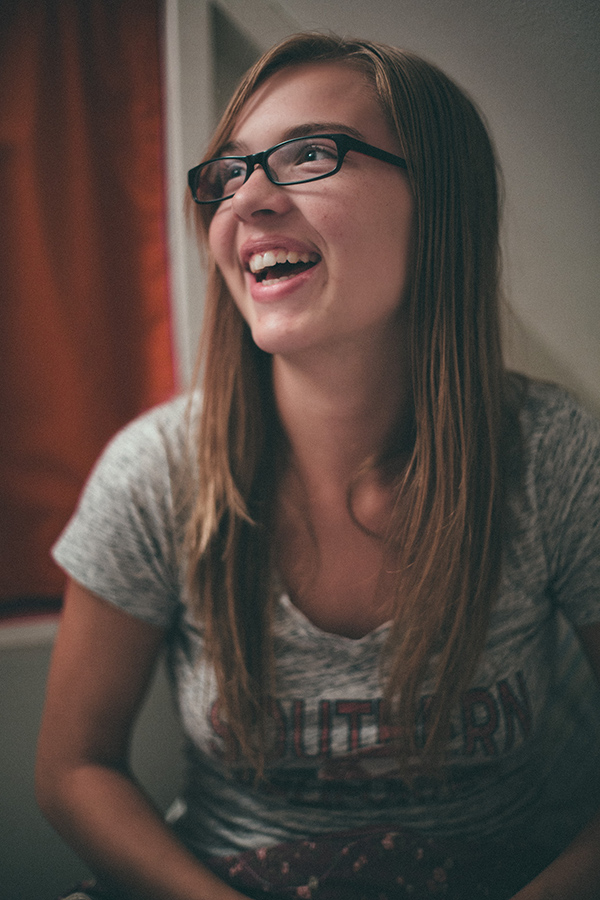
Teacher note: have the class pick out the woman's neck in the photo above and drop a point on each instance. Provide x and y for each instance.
(339, 412)
(337, 415)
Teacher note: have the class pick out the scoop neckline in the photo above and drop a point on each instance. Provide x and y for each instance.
(285, 601)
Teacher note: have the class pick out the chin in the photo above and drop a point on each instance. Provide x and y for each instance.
(281, 336)
(276, 344)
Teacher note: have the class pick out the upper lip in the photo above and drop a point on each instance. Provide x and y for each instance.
(260, 245)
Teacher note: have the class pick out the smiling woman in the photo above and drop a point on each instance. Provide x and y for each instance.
(350, 225)
(360, 543)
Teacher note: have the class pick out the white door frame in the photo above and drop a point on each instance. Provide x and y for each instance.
(189, 116)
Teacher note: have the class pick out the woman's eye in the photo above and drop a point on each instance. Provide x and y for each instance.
(314, 153)
(232, 172)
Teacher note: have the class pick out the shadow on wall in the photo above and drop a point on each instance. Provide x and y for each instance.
(34, 862)
(233, 54)
(526, 351)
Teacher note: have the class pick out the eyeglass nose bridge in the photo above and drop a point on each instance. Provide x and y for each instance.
(258, 159)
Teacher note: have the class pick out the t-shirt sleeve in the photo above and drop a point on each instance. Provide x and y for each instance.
(121, 542)
(568, 494)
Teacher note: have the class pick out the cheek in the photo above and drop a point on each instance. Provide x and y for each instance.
(396, 227)
(215, 238)
(380, 215)
(220, 241)
(380, 242)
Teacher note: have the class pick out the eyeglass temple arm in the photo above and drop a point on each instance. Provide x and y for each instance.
(351, 143)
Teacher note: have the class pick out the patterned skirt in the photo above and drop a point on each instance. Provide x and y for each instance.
(380, 863)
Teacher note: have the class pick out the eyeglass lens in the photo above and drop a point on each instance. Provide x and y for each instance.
(302, 159)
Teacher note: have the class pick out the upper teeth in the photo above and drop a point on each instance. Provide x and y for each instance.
(260, 261)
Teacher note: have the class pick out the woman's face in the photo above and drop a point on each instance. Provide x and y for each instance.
(352, 230)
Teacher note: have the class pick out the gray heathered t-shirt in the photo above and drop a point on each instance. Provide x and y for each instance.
(524, 754)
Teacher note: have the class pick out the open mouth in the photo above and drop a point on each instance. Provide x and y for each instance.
(280, 265)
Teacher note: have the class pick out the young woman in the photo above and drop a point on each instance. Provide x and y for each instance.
(360, 548)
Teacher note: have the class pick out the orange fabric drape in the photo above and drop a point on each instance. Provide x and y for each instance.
(85, 341)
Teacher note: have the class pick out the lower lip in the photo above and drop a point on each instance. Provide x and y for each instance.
(269, 292)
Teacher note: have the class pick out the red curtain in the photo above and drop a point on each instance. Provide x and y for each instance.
(85, 339)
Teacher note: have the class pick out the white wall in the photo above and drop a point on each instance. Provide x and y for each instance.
(533, 68)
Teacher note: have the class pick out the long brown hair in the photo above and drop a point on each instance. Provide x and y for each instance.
(446, 528)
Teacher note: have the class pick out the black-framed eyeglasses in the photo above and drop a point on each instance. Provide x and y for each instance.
(292, 162)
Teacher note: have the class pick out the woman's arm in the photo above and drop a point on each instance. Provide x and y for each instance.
(102, 663)
(576, 872)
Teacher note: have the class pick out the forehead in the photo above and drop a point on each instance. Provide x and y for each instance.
(327, 95)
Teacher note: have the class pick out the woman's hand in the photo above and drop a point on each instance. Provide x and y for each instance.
(102, 664)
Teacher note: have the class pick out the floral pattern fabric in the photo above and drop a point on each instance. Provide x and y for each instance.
(379, 863)
(376, 864)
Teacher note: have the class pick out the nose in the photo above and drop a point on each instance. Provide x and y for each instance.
(259, 196)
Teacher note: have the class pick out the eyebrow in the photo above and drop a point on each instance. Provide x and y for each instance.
(308, 128)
